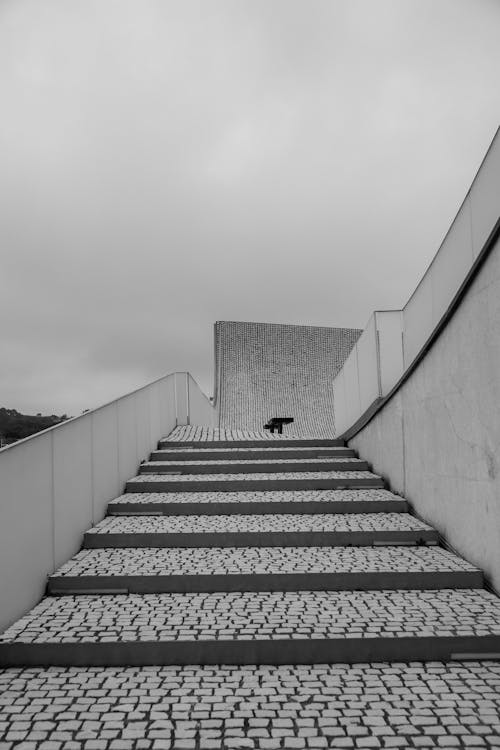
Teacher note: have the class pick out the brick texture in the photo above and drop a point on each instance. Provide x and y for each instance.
(268, 370)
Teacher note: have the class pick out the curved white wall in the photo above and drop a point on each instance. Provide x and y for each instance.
(437, 440)
(392, 340)
(419, 397)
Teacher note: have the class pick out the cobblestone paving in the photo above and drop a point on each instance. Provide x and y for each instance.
(360, 706)
(273, 461)
(260, 476)
(388, 705)
(259, 496)
(230, 560)
(319, 449)
(259, 523)
(196, 433)
(258, 616)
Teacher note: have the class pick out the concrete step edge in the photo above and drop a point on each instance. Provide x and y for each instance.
(272, 651)
(155, 467)
(260, 539)
(177, 454)
(258, 508)
(254, 484)
(277, 443)
(366, 581)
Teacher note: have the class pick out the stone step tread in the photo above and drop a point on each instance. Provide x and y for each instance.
(261, 476)
(389, 705)
(260, 497)
(271, 460)
(348, 522)
(196, 433)
(320, 449)
(258, 481)
(199, 437)
(304, 615)
(260, 560)
(261, 466)
(250, 466)
(264, 452)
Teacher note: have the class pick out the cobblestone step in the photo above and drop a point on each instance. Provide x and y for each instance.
(147, 570)
(307, 480)
(268, 502)
(193, 434)
(265, 466)
(390, 705)
(239, 530)
(270, 550)
(201, 437)
(230, 454)
(274, 628)
(265, 442)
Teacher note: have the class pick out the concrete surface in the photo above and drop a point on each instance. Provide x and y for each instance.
(438, 440)
(55, 484)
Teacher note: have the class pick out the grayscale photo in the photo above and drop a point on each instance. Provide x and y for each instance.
(249, 374)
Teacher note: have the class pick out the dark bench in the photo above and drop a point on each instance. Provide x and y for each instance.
(276, 423)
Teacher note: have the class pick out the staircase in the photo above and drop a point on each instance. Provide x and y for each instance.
(235, 548)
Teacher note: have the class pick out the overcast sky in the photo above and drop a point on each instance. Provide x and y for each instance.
(168, 163)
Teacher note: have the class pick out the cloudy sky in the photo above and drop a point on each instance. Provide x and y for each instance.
(169, 163)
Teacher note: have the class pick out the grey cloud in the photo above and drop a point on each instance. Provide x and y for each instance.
(169, 163)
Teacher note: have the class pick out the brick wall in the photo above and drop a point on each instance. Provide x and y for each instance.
(268, 370)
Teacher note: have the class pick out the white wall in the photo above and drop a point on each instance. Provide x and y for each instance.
(437, 440)
(200, 405)
(371, 369)
(55, 485)
(394, 339)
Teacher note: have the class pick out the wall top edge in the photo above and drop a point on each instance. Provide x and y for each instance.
(283, 325)
(457, 215)
(90, 412)
(374, 408)
(453, 297)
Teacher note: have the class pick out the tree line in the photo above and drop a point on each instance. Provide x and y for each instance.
(15, 426)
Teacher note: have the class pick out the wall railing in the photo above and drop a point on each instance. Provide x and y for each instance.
(393, 341)
(56, 484)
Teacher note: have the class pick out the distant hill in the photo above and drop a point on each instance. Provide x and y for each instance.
(15, 426)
